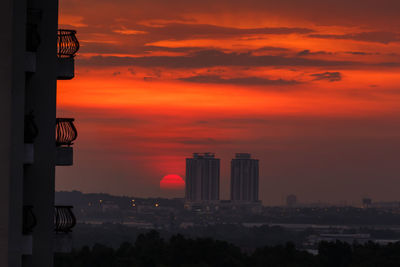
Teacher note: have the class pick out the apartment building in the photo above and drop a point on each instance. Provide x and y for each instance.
(34, 55)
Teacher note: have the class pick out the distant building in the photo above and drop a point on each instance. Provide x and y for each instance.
(385, 205)
(202, 177)
(314, 240)
(244, 178)
(291, 200)
(109, 206)
(366, 202)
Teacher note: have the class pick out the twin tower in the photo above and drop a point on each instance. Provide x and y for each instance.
(203, 175)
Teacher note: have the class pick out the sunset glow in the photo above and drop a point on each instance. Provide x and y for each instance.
(172, 181)
(295, 86)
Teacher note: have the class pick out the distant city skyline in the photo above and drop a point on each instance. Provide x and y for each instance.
(310, 88)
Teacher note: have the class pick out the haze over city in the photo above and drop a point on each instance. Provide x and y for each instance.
(310, 88)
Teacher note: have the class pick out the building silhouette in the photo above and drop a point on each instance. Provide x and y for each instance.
(291, 200)
(202, 177)
(244, 178)
(366, 202)
(34, 55)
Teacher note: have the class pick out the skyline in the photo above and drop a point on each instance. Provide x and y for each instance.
(311, 92)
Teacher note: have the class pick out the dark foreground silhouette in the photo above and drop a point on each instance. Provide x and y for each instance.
(151, 250)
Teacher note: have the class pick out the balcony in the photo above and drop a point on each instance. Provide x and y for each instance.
(64, 221)
(65, 134)
(30, 133)
(67, 46)
(33, 19)
(30, 62)
(28, 220)
(28, 224)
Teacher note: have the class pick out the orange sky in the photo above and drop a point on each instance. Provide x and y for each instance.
(311, 88)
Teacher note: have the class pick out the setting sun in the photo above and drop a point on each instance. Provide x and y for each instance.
(172, 181)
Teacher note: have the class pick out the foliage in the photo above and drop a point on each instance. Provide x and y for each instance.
(245, 237)
(151, 250)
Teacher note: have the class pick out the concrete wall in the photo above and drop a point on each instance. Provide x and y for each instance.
(12, 82)
(41, 98)
(17, 127)
(19, 93)
(5, 122)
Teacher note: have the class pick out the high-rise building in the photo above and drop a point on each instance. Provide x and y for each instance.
(202, 177)
(244, 178)
(34, 55)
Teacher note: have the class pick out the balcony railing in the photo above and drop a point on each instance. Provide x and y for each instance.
(28, 220)
(66, 132)
(33, 19)
(31, 130)
(64, 219)
(67, 43)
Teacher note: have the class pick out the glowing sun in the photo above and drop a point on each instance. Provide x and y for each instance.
(172, 181)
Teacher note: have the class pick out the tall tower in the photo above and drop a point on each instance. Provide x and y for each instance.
(34, 54)
(244, 178)
(202, 177)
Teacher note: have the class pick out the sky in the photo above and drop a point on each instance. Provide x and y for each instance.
(310, 88)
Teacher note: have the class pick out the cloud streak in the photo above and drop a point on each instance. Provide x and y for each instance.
(181, 31)
(328, 76)
(249, 81)
(209, 58)
(376, 36)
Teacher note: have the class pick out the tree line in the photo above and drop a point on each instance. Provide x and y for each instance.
(151, 250)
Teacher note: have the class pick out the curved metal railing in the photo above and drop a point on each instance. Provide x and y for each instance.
(28, 220)
(30, 128)
(66, 132)
(32, 38)
(67, 43)
(64, 219)
(33, 19)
